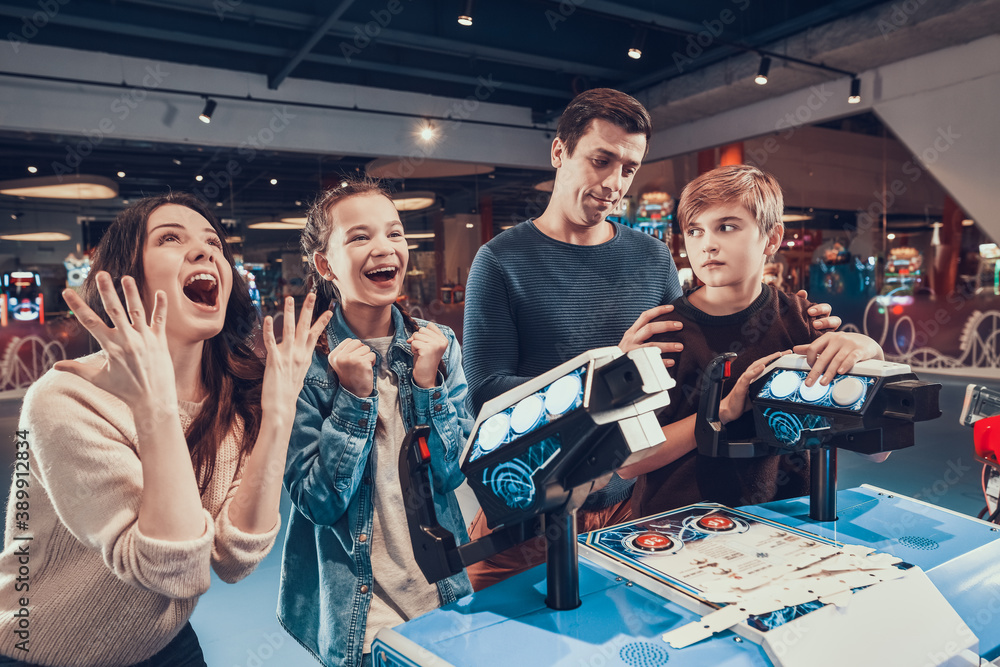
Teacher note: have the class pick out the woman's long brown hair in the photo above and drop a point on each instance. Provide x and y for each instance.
(231, 369)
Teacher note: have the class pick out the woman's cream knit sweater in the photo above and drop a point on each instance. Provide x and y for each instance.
(96, 590)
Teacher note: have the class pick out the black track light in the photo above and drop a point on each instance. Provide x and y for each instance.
(206, 113)
(855, 97)
(635, 51)
(465, 18)
(765, 67)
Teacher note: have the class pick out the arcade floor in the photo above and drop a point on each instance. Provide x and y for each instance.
(237, 626)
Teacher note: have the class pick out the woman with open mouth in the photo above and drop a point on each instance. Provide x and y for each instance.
(143, 467)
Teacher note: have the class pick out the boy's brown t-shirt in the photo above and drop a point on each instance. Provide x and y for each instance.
(775, 321)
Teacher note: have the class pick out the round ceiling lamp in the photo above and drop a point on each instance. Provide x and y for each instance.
(73, 186)
(414, 200)
(277, 225)
(396, 169)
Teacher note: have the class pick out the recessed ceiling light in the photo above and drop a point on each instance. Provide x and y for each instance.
(968, 222)
(32, 170)
(74, 186)
(274, 181)
(199, 178)
(121, 174)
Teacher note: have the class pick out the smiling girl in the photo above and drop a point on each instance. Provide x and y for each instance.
(153, 461)
(348, 567)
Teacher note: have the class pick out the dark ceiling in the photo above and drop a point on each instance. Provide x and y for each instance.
(541, 52)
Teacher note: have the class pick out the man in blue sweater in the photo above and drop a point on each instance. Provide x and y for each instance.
(569, 281)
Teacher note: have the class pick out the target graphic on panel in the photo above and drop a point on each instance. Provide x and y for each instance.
(513, 481)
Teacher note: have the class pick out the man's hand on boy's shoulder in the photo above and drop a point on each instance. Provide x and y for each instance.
(822, 319)
(835, 353)
(648, 325)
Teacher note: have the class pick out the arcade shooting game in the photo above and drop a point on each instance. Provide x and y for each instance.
(21, 299)
(857, 577)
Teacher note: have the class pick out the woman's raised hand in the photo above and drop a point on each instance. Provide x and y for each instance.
(288, 361)
(138, 366)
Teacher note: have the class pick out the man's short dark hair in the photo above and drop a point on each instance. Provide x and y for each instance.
(606, 104)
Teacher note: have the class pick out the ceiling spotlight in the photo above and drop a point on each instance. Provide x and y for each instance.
(465, 18)
(855, 97)
(891, 237)
(635, 51)
(176, 161)
(206, 113)
(968, 222)
(32, 170)
(765, 67)
(343, 184)
(427, 132)
(121, 174)
(199, 178)
(274, 181)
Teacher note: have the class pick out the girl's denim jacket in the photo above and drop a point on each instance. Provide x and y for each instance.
(326, 570)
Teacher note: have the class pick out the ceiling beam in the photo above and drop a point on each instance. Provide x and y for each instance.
(318, 34)
(625, 14)
(63, 18)
(726, 48)
(299, 21)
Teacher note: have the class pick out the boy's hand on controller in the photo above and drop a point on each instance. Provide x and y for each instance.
(354, 364)
(428, 345)
(737, 401)
(836, 353)
(823, 321)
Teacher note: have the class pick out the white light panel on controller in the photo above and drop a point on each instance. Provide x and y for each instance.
(847, 392)
(531, 412)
